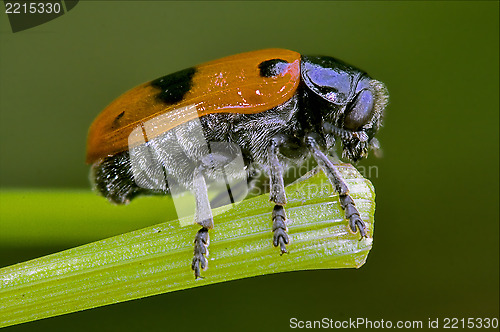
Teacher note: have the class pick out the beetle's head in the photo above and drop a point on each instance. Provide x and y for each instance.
(350, 102)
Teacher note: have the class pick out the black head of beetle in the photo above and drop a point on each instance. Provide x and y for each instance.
(347, 104)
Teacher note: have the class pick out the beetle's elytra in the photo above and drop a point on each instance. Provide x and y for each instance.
(272, 107)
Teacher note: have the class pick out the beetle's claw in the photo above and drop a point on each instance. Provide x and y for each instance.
(362, 229)
(196, 268)
(360, 225)
(352, 213)
(281, 238)
(201, 242)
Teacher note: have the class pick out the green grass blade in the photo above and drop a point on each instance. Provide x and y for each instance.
(157, 259)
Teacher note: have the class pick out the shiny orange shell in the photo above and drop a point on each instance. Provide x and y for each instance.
(228, 85)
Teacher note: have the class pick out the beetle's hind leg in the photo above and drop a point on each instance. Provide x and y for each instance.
(277, 195)
(346, 201)
(203, 217)
(209, 166)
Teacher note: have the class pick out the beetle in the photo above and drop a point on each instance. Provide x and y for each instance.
(275, 106)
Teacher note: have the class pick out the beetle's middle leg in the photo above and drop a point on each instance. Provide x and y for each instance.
(351, 212)
(277, 194)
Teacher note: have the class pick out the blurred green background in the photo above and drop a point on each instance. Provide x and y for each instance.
(436, 245)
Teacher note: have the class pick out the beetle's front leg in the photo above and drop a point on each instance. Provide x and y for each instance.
(277, 194)
(351, 212)
(203, 217)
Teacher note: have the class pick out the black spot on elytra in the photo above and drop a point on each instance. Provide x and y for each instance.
(116, 121)
(273, 67)
(119, 116)
(174, 86)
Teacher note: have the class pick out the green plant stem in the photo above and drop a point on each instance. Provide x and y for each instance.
(157, 259)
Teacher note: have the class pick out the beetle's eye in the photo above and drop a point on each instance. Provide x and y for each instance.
(360, 110)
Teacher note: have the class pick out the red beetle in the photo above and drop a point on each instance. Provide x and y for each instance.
(273, 107)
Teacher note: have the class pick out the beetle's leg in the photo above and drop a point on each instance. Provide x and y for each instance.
(212, 162)
(277, 195)
(351, 212)
(203, 217)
